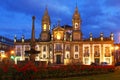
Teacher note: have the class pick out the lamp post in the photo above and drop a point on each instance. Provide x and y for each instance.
(12, 54)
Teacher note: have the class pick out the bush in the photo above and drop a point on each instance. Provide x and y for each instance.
(29, 71)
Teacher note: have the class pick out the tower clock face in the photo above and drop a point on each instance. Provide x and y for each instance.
(76, 25)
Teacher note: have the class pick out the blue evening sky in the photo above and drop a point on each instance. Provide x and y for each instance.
(97, 16)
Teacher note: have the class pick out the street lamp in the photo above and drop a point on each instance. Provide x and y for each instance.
(116, 48)
(3, 56)
(12, 54)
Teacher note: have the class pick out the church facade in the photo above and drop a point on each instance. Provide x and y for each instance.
(65, 44)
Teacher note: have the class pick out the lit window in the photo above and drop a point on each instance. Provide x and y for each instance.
(51, 55)
(86, 60)
(108, 60)
(58, 36)
(44, 27)
(67, 55)
(76, 55)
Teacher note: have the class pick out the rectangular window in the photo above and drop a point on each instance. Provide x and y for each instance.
(67, 47)
(27, 48)
(76, 56)
(86, 51)
(51, 55)
(76, 48)
(58, 47)
(67, 55)
(44, 48)
(86, 61)
(96, 51)
(50, 48)
(18, 51)
(108, 60)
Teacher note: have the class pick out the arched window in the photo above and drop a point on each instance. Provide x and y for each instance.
(44, 27)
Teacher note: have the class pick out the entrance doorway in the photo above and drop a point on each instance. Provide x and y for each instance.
(97, 60)
(58, 59)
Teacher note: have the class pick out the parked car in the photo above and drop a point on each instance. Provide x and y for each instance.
(94, 64)
(117, 64)
(104, 63)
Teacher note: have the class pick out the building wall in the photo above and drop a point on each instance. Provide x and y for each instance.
(85, 54)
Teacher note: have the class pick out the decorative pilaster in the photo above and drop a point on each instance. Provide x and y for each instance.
(102, 54)
(91, 53)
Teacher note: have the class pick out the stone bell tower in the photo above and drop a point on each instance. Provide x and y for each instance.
(45, 34)
(76, 22)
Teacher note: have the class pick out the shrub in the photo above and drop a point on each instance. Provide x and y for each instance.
(29, 71)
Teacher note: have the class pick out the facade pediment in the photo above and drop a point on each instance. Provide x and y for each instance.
(58, 29)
